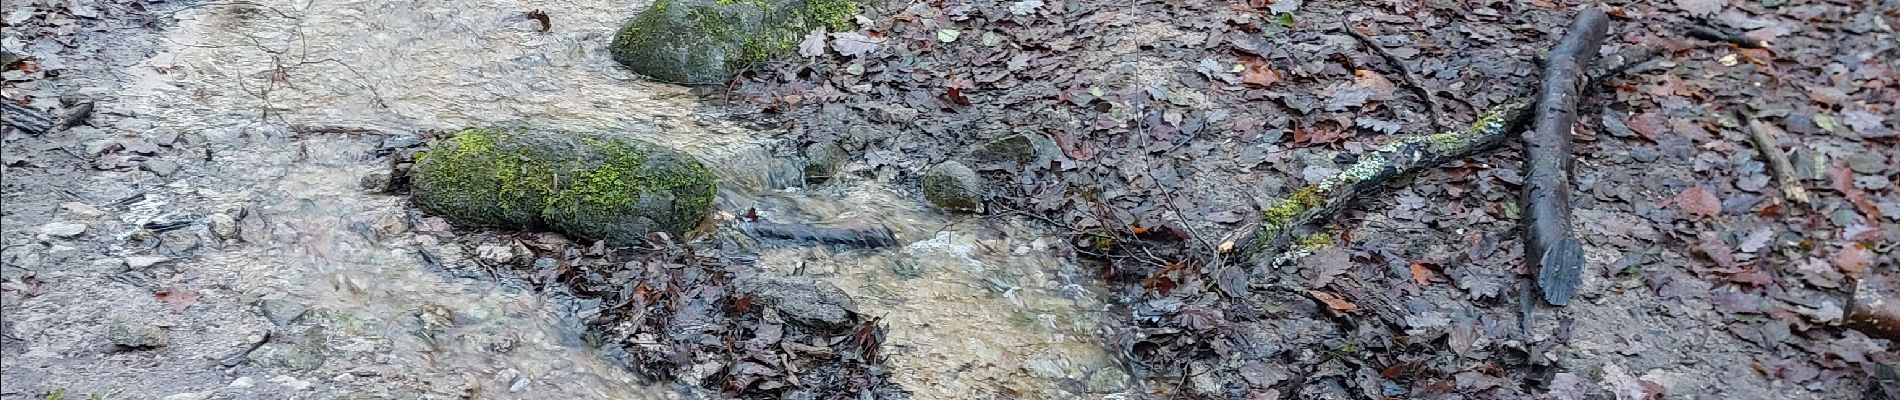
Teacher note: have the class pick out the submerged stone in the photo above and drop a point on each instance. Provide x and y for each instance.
(595, 186)
(698, 42)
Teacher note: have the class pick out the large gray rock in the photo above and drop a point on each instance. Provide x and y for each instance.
(954, 187)
(593, 186)
(706, 41)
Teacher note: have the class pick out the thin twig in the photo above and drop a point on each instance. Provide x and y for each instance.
(1411, 79)
(1763, 135)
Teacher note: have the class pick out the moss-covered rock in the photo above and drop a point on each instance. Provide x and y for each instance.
(706, 41)
(1027, 149)
(822, 162)
(588, 185)
(952, 186)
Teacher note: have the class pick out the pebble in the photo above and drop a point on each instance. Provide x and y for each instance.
(140, 262)
(82, 210)
(376, 182)
(161, 167)
(179, 241)
(243, 382)
(224, 226)
(391, 224)
(189, 396)
(292, 382)
(495, 253)
(63, 229)
(282, 312)
(136, 335)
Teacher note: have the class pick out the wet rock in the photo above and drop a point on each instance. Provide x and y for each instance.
(224, 226)
(390, 224)
(252, 228)
(1108, 380)
(1029, 150)
(160, 167)
(380, 181)
(707, 41)
(806, 300)
(495, 253)
(954, 187)
(142, 262)
(136, 335)
(63, 229)
(82, 210)
(282, 312)
(302, 352)
(179, 241)
(822, 161)
(595, 186)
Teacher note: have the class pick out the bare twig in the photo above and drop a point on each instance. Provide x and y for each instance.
(1411, 79)
(1705, 32)
(1763, 134)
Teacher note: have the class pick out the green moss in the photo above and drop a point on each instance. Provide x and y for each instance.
(837, 15)
(589, 185)
(703, 42)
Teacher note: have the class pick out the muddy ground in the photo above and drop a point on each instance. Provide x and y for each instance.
(206, 217)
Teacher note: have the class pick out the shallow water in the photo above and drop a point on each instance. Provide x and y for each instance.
(973, 306)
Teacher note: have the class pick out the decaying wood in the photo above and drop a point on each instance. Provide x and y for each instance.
(1763, 134)
(1550, 248)
(1290, 221)
(873, 236)
(1711, 34)
(26, 119)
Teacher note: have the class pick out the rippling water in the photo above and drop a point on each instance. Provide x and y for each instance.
(974, 306)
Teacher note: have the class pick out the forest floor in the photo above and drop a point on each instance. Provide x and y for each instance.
(252, 254)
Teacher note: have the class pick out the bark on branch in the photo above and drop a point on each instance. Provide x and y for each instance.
(1550, 248)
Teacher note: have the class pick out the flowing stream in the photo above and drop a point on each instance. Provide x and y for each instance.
(975, 307)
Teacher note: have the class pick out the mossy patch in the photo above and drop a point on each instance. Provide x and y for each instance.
(589, 185)
(707, 41)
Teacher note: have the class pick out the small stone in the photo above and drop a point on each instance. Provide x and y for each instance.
(189, 396)
(282, 312)
(953, 187)
(252, 228)
(822, 162)
(380, 181)
(63, 229)
(224, 226)
(806, 300)
(292, 383)
(179, 240)
(160, 167)
(495, 253)
(391, 224)
(242, 382)
(1108, 380)
(82, 210)
(1028, 150)
(141, 262)
(136, 335)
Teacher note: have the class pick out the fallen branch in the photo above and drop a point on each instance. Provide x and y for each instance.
(1763, 135)
(1713, 35)
(26, 119)
(1411, 79)
(875, 236)
(1286, 229)
(1550, 248)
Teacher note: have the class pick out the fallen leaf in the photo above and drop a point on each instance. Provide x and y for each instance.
(948, 35)
(1421, 274)
(814, 44)
(1257, 72)
(956, 96)
(1698, 201)
(1757, 239)
(1854, 260)
(1333, 301)
(1701, 8)
(176, 298)
(853, 44)
(541, 17)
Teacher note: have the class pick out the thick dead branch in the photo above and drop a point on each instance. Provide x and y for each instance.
(26, 119)
(1713, 35)
(1763, 134)
(874, 236)
(1550, 248)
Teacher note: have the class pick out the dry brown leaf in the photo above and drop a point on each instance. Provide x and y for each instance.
(1333, 301)
(1699, 201)
(178, 299)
